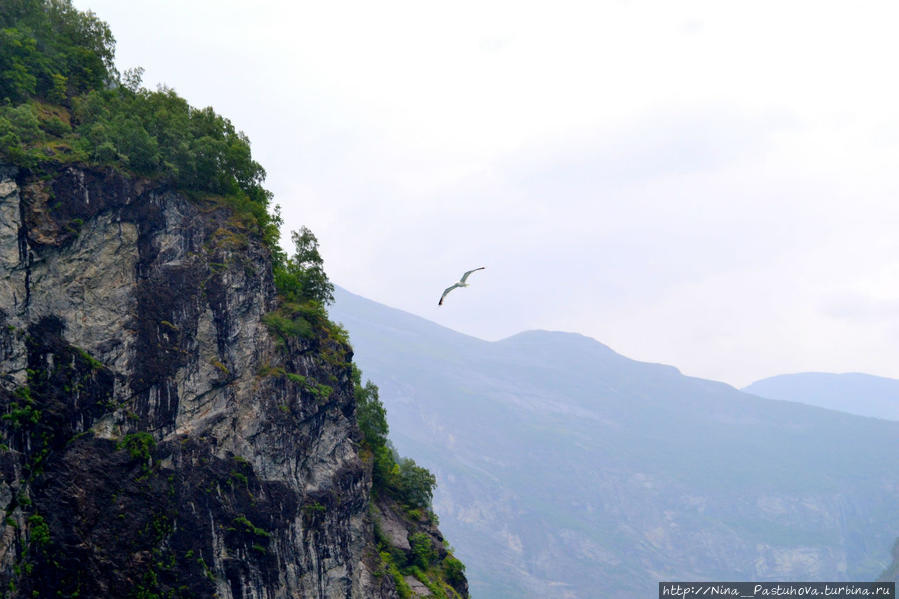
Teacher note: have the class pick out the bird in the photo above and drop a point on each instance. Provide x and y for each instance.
(461, 283)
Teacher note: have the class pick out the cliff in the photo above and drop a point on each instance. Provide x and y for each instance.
(158, 439)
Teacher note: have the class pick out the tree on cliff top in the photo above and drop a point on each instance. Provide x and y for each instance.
(52, 51)
(62, 101)
(301, 277)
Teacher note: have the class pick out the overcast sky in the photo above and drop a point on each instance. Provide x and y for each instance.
(711, 185)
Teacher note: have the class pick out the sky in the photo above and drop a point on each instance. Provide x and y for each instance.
(711, 185)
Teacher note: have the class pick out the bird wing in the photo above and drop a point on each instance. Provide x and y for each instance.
(447, 290)
(465, 276)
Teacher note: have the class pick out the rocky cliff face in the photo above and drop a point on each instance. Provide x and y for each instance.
(153, 445)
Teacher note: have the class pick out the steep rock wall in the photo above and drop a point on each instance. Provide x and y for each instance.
(152, 445)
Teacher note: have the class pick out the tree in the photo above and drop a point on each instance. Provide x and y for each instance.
(372, 419)
(17, 80)
(51, 50)
(416, 484)
(371, 415)
(301, 278)
(308, 260)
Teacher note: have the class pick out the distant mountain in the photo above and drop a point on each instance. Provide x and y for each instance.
(567, 470)
(854, 393)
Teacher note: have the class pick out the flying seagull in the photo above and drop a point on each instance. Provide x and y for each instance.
(461, 283)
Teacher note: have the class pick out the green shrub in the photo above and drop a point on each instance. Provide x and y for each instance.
(288, 325)
(301, 278)
(453, 570)
(138, 445)
(391, 568)
(24, 414)
(240, 477)
(422, 550)
(39, 532)
(415, 484)
(251, 528)
(56, 127)
(433, 587)
(23, 123)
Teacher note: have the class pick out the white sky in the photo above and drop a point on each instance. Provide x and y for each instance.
(712, 185)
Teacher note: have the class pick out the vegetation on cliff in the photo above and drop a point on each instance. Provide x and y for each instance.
(408, 489)
(63, 101)
(398, 482)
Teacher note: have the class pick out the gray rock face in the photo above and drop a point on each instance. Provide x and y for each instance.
(152, 442)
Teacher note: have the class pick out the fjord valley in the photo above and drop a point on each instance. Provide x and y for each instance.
(179, 416)
(568, 470)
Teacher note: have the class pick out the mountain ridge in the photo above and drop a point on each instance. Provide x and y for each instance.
(850, 392)
(571, 472)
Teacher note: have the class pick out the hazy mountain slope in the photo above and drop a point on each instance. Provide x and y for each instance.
(892, 571)
(855, 393)
(566, 469)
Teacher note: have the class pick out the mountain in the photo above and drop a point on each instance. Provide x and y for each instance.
(567, 470)
(161, 436)
(854, 393)
(178, 416)
(891, 574)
